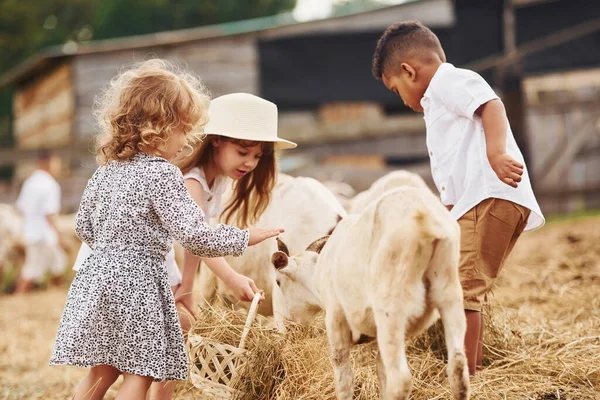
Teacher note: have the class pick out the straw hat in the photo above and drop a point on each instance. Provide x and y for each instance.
(247, 117)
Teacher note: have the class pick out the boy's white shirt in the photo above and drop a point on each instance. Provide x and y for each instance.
(457, 147)
(39, 197)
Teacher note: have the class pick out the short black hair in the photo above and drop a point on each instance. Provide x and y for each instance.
(404, 39)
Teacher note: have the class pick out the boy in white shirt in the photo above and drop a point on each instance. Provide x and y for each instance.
(39, 202)
(476, 164)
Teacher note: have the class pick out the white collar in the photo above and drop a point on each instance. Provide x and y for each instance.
(435, 76)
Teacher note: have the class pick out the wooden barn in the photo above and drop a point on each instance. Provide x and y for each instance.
(542, 55)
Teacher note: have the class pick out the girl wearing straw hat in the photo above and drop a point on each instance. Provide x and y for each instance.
(249, 139)
(120, 315)
(240, 148)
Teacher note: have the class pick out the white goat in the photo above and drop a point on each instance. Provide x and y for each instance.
(384, 273)
(306, 210)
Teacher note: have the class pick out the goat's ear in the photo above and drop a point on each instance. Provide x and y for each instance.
(339, 218)
(281, 246)
(279, 260)
(318, 244)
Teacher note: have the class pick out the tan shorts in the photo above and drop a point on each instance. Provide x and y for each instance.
(42, 258)
(489, 232)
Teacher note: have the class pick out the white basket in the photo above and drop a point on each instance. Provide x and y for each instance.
(215, 366)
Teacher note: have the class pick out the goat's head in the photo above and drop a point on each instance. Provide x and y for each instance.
(294, 279)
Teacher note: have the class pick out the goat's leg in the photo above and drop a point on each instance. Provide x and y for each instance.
(455, 326)
(381, 377)
(447, 297)
(340, 341)
(391, 327)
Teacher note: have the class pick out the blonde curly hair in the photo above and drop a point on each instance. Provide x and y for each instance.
(143, 104)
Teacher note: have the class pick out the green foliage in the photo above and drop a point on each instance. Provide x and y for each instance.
(115, 17)
(27, 26)
(6, 139)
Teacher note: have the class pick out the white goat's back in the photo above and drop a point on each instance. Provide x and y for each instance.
(387, 182)
(384, 251)
(306, 209)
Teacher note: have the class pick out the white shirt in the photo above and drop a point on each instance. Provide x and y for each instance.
(212, 198)
(39, 197)
(457, 146)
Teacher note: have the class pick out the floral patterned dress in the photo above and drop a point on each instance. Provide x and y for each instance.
(120, 310)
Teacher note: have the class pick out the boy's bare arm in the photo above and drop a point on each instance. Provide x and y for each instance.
(51, 218)
(495, 126)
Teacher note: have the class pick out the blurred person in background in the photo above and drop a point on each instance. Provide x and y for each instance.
(39, 203)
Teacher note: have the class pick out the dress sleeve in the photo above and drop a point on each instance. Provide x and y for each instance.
(83, 221)
(186, 222)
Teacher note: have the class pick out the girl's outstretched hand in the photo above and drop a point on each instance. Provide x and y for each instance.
(257, 235)
(244, 287)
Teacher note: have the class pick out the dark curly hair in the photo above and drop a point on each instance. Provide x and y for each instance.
(404, 40)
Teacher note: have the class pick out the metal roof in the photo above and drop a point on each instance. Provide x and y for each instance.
(54, 54)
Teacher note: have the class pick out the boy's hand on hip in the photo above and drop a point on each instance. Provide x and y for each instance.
(257, 235)
(507, 169)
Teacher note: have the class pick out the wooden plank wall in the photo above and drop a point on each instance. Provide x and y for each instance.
(44, 109)
(229, 64)
(563, 117)
(359, 162)
(56, 108)
(346, 122)
(226, 65)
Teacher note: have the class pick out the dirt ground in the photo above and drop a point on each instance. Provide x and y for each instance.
(550, 287)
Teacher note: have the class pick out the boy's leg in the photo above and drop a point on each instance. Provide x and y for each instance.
(469, 245)
(34, 268)
(516, 234)
(57, 264)
(479, 362)
(24, 286)
(488, 233)
(472, 339)
(96, 383)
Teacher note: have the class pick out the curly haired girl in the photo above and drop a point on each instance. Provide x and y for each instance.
(120, 315)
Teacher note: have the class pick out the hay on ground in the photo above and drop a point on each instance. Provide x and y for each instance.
(544, 345)
(542, 340)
